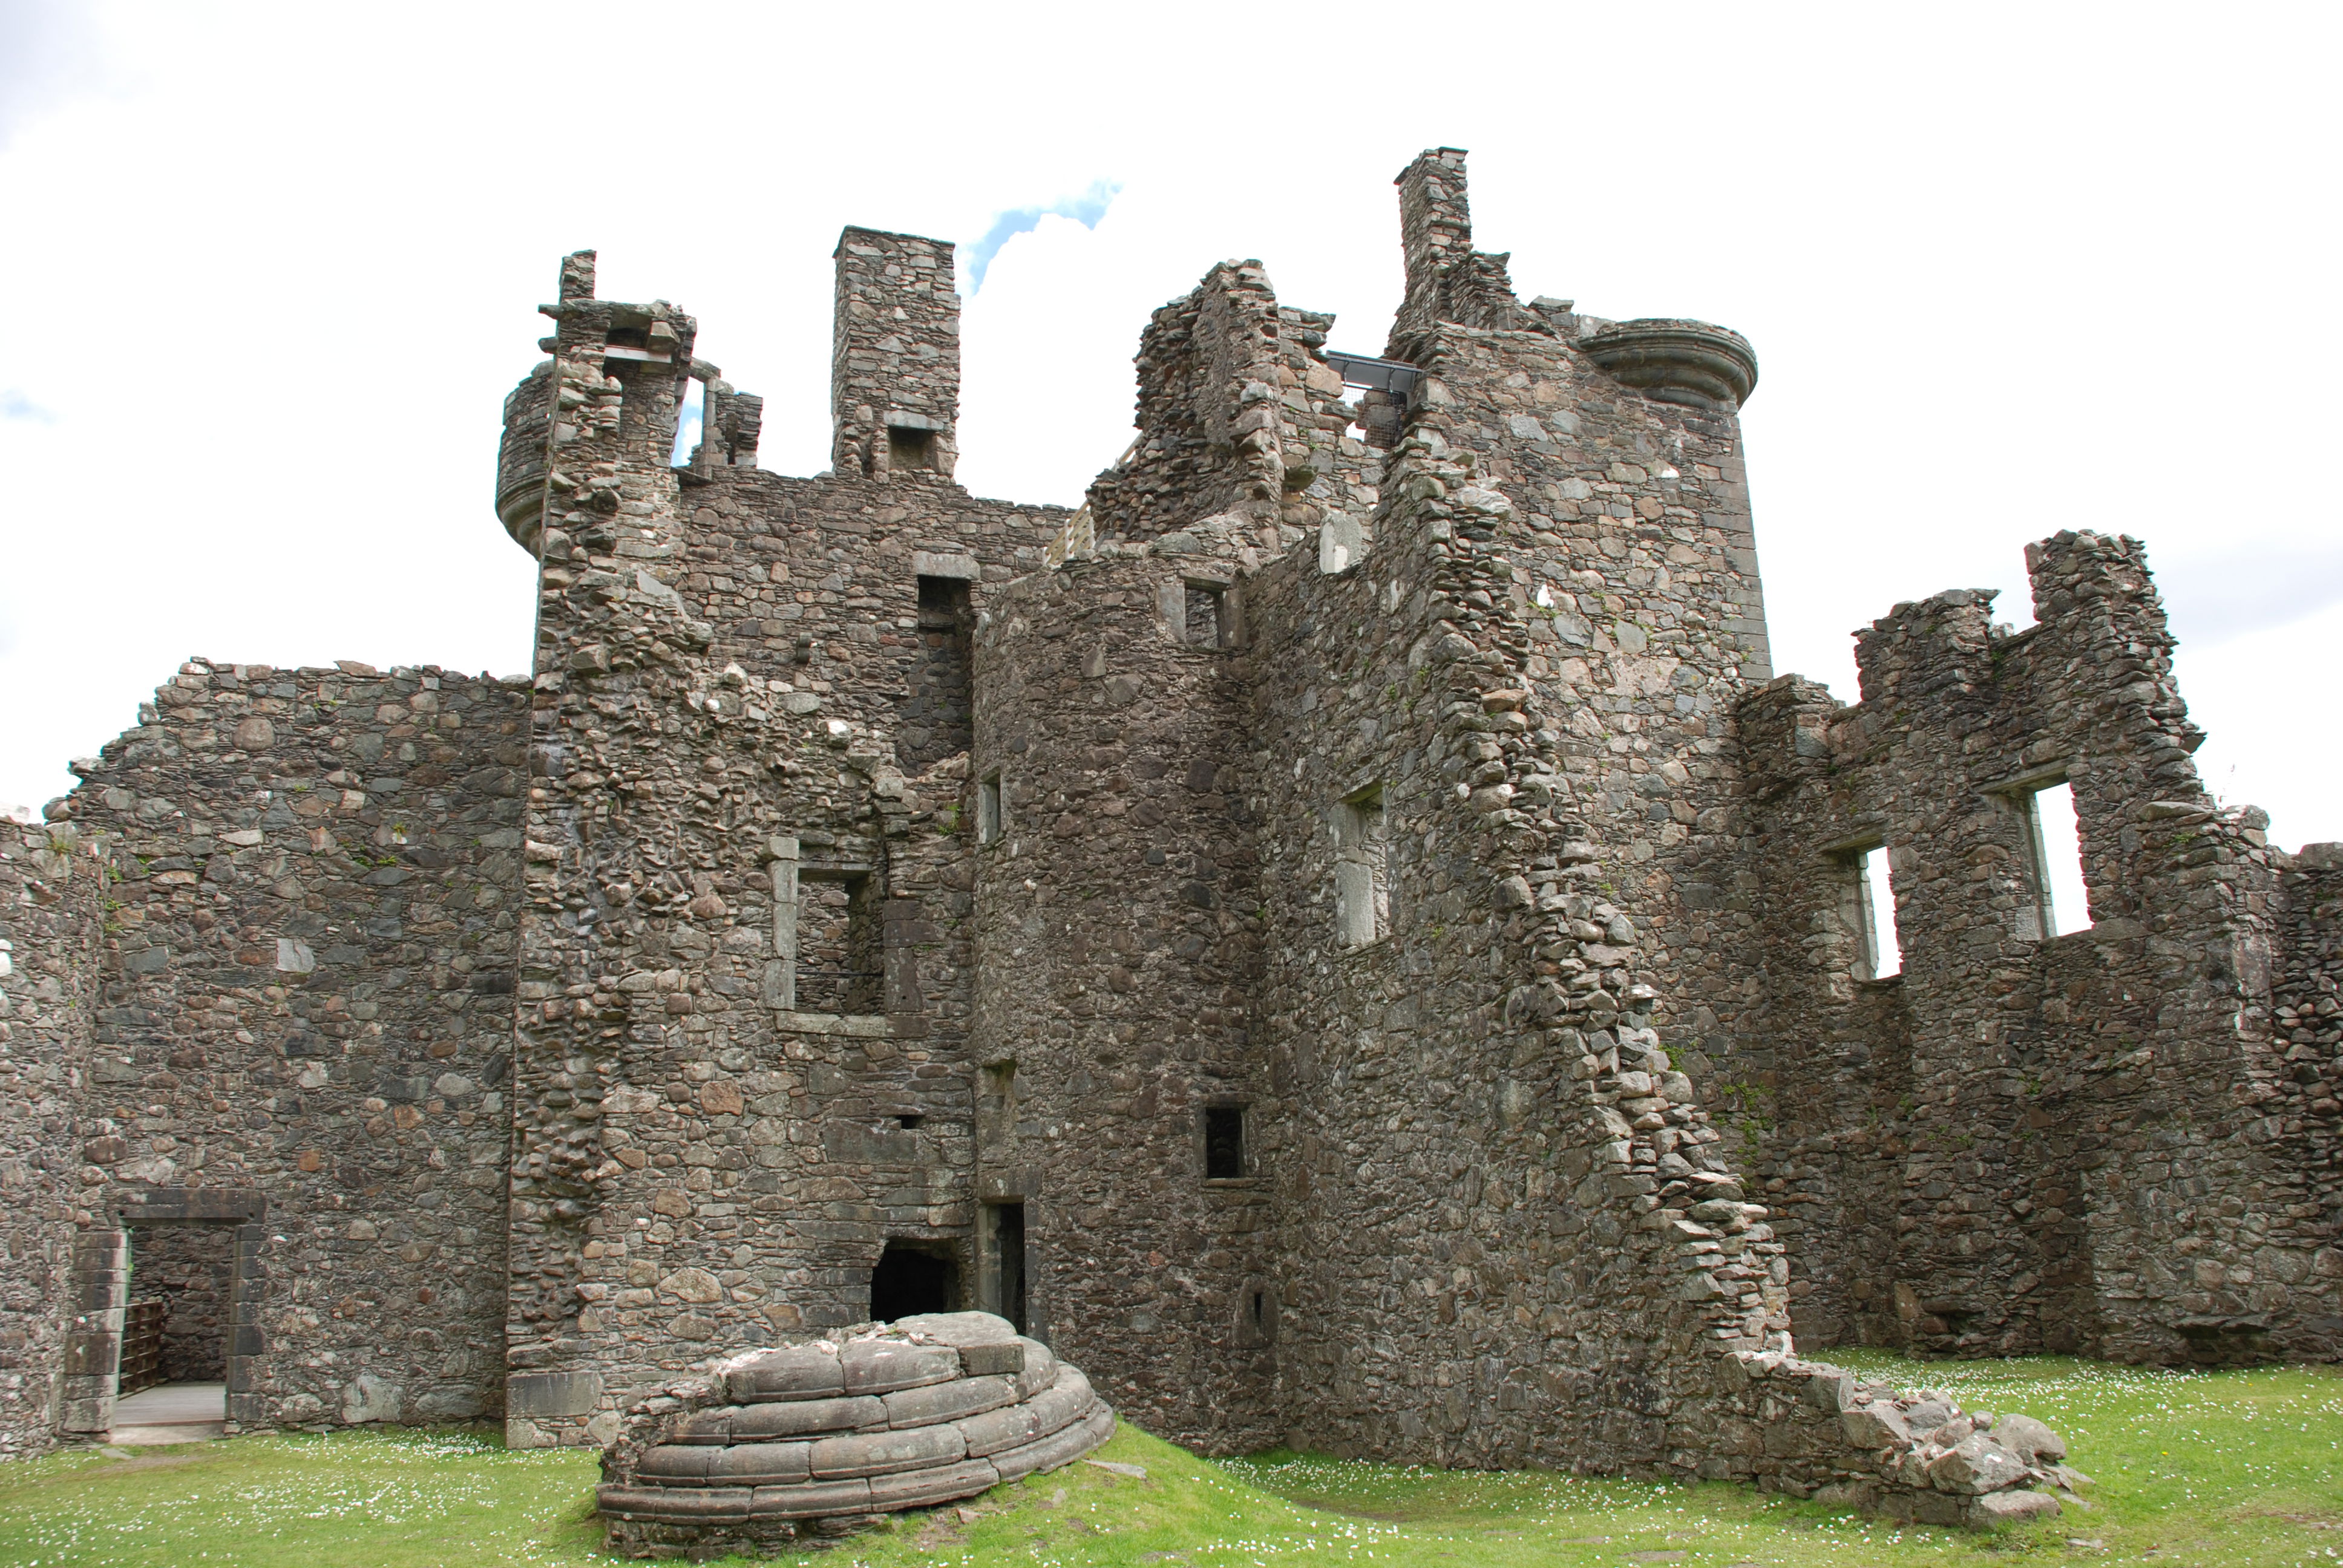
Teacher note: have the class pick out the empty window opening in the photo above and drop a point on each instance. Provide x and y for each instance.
(690, 422)
(1260, 1308)
(1882, 954)
(841, 943)
(937, 717)
(909, 448)
(1224, 1142)
(2057, 846)
(1007, 1246)
(913, 1277)
(181, 1277)
(1207, 620)
(988, 808)
(910, 1123)
(1362, 869)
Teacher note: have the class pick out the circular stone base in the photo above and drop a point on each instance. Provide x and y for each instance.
(771, 1446)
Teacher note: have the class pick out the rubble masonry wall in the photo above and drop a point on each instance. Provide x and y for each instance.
(51, 915)
(306, 984)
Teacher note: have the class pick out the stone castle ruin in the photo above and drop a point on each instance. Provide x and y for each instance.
(1344, 937)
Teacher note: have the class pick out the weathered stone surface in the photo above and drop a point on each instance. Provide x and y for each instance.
(884, 1453)
(789, 1419)
(2029, 1439)
(1345, 936)
(2014, 1507)
(881, 1366)
(1975, 1465)
(798, 1373)
(674, 1464)
(950, 1401)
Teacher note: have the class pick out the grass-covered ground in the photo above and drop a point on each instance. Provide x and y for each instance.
(2192, 1469)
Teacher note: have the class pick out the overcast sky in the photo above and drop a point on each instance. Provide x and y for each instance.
(270, 272)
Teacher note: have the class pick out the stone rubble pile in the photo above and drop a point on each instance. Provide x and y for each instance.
(813, 1437)
(1913, 1456)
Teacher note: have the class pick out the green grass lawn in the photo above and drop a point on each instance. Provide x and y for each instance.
(2207, 1469)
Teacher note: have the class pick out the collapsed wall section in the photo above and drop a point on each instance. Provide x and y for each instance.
(1239, 413)
(1594, 1291)
(2091, 1148)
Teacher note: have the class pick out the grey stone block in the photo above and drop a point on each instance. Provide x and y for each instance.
(940, 1402)
(685, 1504)
(885, 1453)
(1064, 1400)
(959, 1330)
(676, 1465)
(537, 1394)
(919, 1488)
(995, 1429)
(796, 1371)
(883, 1366)
(1039, 1371)
(799, 1417)
(814, 1500)
(763, 1463)
(1062, 1447)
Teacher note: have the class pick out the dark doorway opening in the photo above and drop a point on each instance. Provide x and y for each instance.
(910, 1280)
(1009, 1258)
(187, 1272)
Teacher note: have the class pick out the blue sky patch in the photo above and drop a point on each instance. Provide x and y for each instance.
(1085, 209)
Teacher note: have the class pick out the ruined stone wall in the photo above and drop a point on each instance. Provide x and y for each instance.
(1449, 284)
(1238, 414)
(1631, 565)
(52, 914)
(306, 988)
(1588, 1286)
(1530, 1314)
(718, 1137)
(1818, 1089)
(2307, 1022)
(2091, 1145)
(1119, 931)
(1537, 755)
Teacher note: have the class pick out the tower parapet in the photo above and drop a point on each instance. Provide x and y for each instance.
(612, 392)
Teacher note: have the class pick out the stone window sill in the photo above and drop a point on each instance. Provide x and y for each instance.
(858, 1026)
(1242, 1183)
(1364, 948)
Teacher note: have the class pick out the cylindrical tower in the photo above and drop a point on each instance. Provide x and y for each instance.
(520, 458)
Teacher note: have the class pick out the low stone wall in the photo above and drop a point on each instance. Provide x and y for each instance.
(811, 1438)
(1812, 1430)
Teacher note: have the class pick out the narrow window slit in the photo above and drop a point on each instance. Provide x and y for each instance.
(1882, 953)
(1224, 1142)
(1362, 869)
(988, 808)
